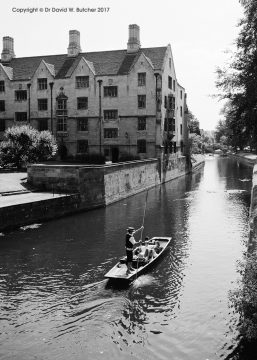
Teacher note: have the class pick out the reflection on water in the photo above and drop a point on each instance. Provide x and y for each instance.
(55, 303)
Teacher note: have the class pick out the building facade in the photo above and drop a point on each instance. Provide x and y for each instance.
(120, 102)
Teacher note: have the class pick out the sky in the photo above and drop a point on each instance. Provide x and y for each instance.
(201, 34)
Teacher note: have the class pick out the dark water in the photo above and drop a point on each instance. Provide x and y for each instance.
(56, 304)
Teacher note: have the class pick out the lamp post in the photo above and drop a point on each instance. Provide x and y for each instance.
(100, 116)
(29, 86)
(51, 105)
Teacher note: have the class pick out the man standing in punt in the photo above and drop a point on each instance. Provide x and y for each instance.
(130, 242)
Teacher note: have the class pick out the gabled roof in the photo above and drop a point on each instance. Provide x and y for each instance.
(115, 62)
(8, 71)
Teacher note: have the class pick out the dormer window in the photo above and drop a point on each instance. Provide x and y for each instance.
(42, 84)
(82, 82)
(141, 77)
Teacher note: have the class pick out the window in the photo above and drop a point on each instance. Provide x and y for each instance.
(181, 94)
(170, 63)
(2, 124)
(42, 124)
(110, 114)
(20, 116)
(170, 82)
(181, 129)
(169, 124)
(82, 82)
(141, 125)
(62, 123)
(165, 102)
(110, 133)
(141, 100)
(82, 124)
(174, 85)
(82, 146)
(111, 91)
(181, 111)
(141, 146)
(2, 105)
(141, 77)
(172, 102)
(2, 87)
(42, 104)
(62, 105)
(20, 95)
(42, 84)
(82, 103)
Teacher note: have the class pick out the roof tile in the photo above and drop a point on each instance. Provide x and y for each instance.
(114, 62)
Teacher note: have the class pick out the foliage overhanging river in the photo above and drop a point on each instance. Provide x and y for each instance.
(56, 304)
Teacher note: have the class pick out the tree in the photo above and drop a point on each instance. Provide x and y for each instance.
(24, 144)
(193, 124)
(195, 144)
(239, 81)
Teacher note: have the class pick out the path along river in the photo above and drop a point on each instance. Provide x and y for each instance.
(56, 304)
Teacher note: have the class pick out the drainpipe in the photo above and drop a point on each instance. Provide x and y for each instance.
(100, 116)
(29, 86)
(51, 105)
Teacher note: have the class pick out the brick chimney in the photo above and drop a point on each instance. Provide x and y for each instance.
(74, 43)
(8, 51)
(134, 39)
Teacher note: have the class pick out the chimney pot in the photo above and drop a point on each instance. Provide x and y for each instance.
(74, 43)
(8, 49)
(134, 38)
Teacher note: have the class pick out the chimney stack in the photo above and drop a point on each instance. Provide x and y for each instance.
(74, 43)
(134, 38)
(8, 51)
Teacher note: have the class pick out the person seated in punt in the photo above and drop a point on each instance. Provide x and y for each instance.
(154, 250)
(142, 252)
(157, 247)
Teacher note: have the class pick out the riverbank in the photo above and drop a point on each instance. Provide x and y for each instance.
(246, 157)
(250, 159)
(77, 189)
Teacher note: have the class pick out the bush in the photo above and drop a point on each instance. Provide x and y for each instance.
(244, 298)
(24, 144)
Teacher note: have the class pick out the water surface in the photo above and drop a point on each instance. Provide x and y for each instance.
(56, 304)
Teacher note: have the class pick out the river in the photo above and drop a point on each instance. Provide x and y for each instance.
(56, 304)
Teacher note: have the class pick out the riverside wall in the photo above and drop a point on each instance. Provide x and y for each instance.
(101, 185)
(85, 187)
(250, 160)
(17, 215)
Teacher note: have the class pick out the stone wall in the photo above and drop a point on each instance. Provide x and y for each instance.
(29, 213)
(100, 185)
(87, 187)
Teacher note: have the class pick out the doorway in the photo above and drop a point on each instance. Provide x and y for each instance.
(115, 154)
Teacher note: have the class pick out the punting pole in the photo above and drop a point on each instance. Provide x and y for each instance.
(142, 225)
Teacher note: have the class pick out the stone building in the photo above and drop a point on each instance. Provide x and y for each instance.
(111, 102)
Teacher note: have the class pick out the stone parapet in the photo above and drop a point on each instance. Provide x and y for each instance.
(85, 187)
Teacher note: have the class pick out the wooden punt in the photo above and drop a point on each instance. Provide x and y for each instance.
(119, 271)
